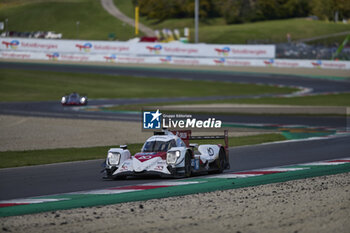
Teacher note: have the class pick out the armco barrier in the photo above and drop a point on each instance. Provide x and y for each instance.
(139, 49)
(112, 58)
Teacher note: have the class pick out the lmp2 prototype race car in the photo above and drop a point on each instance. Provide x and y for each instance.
(74, 99)
(168, 154)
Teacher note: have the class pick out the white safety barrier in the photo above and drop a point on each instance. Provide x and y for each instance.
(133, 49)
(154, 53)
(112, 58)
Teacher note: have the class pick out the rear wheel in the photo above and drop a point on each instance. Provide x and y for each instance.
(220, 162)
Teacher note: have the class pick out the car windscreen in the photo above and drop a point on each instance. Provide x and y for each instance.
(74, 97)
(157, 146)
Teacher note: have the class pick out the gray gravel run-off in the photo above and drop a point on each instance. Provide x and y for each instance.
(311, 205)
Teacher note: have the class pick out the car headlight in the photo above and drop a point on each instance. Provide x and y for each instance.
(82, 100)
(63, 100)
(172, 156)
(113, 158)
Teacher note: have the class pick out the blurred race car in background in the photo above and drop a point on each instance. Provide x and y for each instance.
(74, 99)
(168, 154)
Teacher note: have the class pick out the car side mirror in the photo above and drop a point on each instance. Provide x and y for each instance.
(193, 145)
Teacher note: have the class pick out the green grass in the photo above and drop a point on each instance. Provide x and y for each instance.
(274, 31)
(21, 85)
(217, 31)
(61, 16)
(245, 140)
(38, 157)
(128, 9)
(96, 24)
(317, 100)
(329, 40)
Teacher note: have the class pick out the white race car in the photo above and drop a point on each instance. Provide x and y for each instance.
(168, 154)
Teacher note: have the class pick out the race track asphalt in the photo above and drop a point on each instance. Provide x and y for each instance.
(80, 176)
(318, 85)
(54, 109)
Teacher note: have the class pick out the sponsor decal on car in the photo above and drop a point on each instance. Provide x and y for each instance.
(123, 168)
(210, 151)
(158, 168)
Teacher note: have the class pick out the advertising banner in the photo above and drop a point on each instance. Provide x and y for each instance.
(191, 61)
(129, 48)
(207, 50)
(67, 46)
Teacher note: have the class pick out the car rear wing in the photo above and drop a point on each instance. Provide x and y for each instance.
(186, 136)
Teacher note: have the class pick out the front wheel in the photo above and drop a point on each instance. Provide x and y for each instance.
(120, 178)
(187, 164)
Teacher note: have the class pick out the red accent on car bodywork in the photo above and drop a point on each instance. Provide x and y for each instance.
(142, 157)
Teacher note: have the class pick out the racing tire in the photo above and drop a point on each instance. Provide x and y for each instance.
(120, 178)
(187, 165)
(220, 162)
